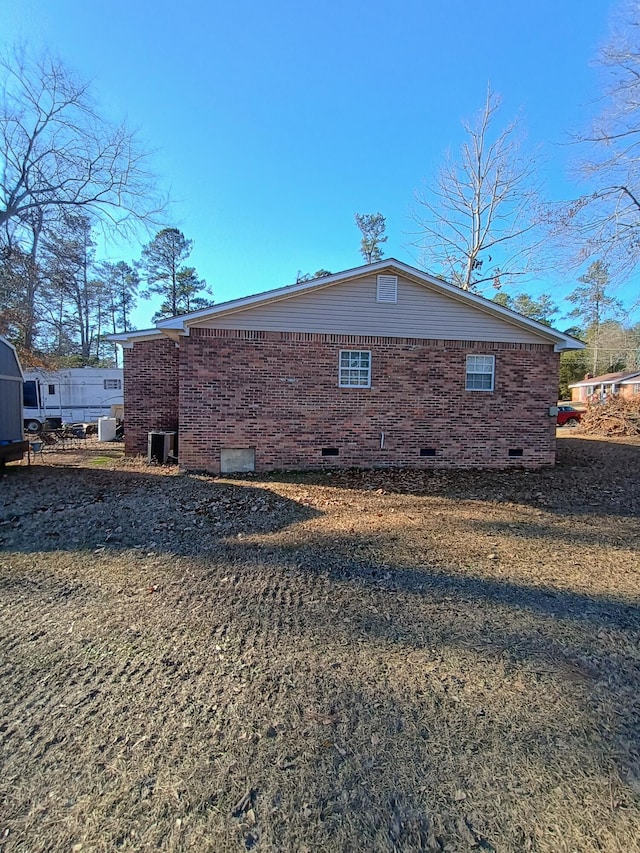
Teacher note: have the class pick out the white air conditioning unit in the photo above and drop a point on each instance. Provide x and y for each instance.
(161, 445)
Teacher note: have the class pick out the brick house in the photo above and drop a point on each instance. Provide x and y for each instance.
(382, 365)
(626, 383)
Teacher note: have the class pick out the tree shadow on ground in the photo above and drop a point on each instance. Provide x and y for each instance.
(201, 517)
(405, 676)
(590, 478)
(115, 510)
(577, 647)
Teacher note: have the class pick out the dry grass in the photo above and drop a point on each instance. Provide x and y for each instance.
(383, 662)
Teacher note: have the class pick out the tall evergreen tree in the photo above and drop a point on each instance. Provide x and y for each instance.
(164, 270)
(121, 281)
(119, 286)
(541, 309)
(72, 289)
(593, 305)
(372, 227)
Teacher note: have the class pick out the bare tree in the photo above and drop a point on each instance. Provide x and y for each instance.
(57, 154)
(372, 227)
(605, 221)
(479, 220)
(20, 284)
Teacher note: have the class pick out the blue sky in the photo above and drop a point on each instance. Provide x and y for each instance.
(274, 122)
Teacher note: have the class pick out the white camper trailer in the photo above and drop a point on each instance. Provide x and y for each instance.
(73, 395)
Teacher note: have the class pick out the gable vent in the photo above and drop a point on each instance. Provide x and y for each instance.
(387, 288)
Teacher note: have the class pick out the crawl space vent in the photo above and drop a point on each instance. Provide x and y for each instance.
(387, 288)
(329, 451)
(515, 451)
(237, 460)
(427, 451)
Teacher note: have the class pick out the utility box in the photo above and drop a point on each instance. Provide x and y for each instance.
(160, 446)
(107, 429)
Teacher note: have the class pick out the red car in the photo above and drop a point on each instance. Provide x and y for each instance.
(568, 416)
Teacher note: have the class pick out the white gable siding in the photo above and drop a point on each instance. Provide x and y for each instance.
(351, 308)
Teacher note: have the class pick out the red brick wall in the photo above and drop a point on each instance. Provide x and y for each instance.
(150, 392)
(278, 392)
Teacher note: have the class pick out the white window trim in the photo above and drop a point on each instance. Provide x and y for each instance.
(493, 373)
(342, 384)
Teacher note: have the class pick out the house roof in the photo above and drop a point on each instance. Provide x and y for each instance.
(174, 327)
(11, 364)
(606, 378)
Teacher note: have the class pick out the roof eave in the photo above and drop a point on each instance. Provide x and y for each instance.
(127, 339)
(605, 379)
(182, 322)
(179, 326)
(568, 345)
(15, 353)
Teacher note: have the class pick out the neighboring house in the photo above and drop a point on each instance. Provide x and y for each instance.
(630, 386)
(382, 365)
(626, 383)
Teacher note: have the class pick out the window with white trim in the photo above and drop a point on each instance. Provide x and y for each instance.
(480, 372)
(112, 384)
(355, 369)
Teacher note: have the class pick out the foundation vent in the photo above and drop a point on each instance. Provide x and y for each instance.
(237, 460)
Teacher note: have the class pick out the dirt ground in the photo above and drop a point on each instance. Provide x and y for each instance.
(387, 661)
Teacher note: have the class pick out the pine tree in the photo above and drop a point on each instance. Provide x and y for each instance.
(593, 306)
(163, 268)
(372, 227)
